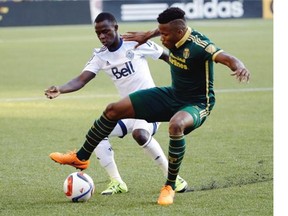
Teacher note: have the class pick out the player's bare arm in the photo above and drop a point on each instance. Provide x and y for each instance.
(73, 85)
(165, 56)
(238, 68)
(140, 37)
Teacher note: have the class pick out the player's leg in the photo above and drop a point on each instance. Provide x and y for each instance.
(143, 134)
(101, 128)
(105, 155)
(183, 122)
(177, 125)
(176, 152)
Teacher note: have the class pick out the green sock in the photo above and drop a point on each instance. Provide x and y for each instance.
(101, 128)
(175, 157)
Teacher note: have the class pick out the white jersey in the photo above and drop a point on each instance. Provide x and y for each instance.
(127, 66)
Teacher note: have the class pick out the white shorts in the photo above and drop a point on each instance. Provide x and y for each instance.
(125, 126)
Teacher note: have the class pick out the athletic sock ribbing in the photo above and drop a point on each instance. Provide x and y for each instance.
(175, 156)
(101, 128)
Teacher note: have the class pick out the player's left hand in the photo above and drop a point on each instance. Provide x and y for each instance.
(241, 74)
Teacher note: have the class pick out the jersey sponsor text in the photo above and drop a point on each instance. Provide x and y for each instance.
(123, 72)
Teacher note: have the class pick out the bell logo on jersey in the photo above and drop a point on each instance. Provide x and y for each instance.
(123, 72)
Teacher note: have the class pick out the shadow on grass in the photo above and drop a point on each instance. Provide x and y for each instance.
(233, 181)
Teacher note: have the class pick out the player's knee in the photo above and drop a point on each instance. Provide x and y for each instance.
(141, 136)
(176, 128)
(110, 112)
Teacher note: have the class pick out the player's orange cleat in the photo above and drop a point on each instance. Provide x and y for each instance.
(166, 195)
(69, 158)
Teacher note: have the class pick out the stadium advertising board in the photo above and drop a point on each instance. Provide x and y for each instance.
(195, 9)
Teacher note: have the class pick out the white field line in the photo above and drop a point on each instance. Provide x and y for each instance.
(46, 39)
(67, 97)
(243, 90)
(62, 97)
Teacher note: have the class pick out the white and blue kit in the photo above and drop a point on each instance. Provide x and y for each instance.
(128, 69)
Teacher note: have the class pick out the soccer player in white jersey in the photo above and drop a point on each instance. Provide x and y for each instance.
(129, 70)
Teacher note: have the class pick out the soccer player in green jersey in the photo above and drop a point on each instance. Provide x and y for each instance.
(185, 104)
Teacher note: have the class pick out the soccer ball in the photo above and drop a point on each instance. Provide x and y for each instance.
(78, 187)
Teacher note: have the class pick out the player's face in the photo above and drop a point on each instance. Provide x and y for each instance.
(169, 35)
(106, 32)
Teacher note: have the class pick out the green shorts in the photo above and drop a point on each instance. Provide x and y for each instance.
(160, 104)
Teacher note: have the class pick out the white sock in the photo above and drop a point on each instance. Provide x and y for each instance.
(105, 156)
(153, 149)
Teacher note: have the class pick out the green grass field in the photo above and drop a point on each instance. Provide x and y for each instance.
(229, 160)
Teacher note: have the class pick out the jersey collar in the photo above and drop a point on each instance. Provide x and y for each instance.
(116, 48)
(184, 38)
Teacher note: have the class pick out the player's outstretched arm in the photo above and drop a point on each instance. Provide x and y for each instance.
(238, 68)
(73, 85)
(140, 37)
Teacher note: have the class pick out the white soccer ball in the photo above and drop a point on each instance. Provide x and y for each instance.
(78, 187)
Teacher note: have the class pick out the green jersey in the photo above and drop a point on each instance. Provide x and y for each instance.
(191, 64)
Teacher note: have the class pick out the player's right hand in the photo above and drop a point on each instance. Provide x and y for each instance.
(52, 92)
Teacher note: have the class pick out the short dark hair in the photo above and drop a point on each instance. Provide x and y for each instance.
(171, 14)
(105, 16)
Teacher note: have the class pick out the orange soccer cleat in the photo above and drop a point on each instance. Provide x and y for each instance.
(166, 195)
(69, 158)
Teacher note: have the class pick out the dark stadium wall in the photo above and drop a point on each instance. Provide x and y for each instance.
(35, 13)
(71, 12)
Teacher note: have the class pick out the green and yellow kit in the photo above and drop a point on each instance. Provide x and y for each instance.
(191, 65)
